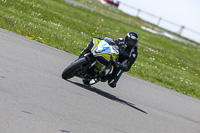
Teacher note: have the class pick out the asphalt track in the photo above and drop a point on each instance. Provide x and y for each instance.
(35, 99)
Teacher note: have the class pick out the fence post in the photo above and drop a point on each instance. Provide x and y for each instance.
(181, 29)
(159, 20)
(138, 12)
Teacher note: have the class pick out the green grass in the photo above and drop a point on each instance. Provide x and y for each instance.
(56, 23)
(95, 4)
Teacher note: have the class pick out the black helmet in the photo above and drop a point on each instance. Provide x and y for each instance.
(131, 39)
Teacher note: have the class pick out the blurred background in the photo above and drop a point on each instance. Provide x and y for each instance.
(178, 16)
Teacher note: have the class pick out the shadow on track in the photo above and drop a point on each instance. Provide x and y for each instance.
(107, 95)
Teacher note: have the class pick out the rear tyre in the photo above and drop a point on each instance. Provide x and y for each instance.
(71, 70)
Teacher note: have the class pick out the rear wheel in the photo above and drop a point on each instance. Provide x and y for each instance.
(71, 70)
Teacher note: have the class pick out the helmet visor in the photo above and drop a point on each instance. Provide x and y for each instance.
(131, 43)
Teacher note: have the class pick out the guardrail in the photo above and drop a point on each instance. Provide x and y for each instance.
(161, 22)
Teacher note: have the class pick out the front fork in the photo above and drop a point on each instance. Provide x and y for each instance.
(88, 54)
(85, 70)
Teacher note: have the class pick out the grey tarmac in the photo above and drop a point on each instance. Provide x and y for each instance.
(35, 99)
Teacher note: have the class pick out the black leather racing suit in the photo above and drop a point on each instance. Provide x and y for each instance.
(127, 57)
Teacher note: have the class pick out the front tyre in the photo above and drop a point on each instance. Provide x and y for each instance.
(71, 70)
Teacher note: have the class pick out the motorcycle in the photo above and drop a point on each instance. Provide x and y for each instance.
(94, 62)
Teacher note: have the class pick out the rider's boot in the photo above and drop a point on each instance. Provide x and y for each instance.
(86, 82)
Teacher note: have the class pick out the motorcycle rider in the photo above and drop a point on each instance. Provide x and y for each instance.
(127, 56)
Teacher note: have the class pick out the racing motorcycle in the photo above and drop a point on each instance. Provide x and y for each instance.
(94, 62)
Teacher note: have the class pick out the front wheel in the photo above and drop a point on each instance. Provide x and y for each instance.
(71, 70)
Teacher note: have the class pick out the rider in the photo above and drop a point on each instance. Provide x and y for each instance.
(127, 56)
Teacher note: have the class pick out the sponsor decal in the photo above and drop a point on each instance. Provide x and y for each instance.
(104, 48)
(133, 37)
